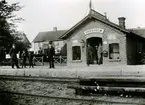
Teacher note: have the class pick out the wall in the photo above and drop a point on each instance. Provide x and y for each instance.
(58, 45)
(108, 31)
(36, 46)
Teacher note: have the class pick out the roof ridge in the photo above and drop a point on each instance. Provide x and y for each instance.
(143, 28)
(48, 35)
(51, 31)
(97, 12)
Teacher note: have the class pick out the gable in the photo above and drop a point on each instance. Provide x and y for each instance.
(94, 28)
(93, 17)
(24, 39)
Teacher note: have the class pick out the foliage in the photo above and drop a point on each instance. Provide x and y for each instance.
(22, 43)
(8, 20)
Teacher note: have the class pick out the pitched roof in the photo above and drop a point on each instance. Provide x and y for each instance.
(138, 31)
(24, 39)
(97, 16)
(49, 36)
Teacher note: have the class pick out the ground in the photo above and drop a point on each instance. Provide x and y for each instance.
(77, 71)
(58, 89)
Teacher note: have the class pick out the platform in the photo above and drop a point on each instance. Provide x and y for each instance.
(77, 71)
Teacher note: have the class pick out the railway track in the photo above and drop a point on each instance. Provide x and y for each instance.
(49, 80)
(70, 98)
(38, 79)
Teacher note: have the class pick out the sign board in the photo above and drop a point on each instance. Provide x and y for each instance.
(94, 30)
(75, 41)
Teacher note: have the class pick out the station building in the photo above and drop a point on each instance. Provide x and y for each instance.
(120, 46)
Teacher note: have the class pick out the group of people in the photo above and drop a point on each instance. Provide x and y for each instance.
(23, 57)
(94, 54)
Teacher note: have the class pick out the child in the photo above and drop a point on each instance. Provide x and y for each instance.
(24, 58)
(31, 60)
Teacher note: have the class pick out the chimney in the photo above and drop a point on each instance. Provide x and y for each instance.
(54, 28)
(122, 22)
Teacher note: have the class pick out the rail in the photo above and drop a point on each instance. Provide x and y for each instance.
(37, 79)
(61, 60)
(69, 98)
(39, 60)
(58, 60)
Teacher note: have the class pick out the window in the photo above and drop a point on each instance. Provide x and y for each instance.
(76, 53)
(114, 51)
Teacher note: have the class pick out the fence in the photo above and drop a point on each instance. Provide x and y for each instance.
(39, 60)
(58, 60)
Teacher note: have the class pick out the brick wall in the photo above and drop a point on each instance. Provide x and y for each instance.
(79, 34)
(121, 40)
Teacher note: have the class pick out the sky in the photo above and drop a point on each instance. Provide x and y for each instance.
(43, 15)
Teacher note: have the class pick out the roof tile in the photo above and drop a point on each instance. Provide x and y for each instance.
(48, 36)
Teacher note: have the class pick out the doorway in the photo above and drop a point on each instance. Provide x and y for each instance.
(94, 51)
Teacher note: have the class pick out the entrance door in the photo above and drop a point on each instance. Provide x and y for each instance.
(94, 50)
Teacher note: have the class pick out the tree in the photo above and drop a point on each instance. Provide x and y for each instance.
(8, 21)
(22, 41)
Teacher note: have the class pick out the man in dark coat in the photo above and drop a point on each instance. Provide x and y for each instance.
(51, 53)
(96, 53)
(89, 55)
(13, 55)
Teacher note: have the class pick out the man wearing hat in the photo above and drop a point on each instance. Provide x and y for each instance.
(13, 55)
(51, 53)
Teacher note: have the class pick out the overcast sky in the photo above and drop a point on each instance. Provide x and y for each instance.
(43, 15)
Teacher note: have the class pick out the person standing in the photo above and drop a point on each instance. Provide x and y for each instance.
(99, 53)
(51, 53)
(13, 55)
(24, 58)
(31, 56)
(96, 55)
(89, 55)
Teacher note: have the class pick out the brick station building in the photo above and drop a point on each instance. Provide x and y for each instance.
(120, 46)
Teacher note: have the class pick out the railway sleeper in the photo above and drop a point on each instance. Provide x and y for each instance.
(119, 91)
(112, 82)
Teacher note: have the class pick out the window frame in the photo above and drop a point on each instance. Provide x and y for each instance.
(75, 60)
(113, 59)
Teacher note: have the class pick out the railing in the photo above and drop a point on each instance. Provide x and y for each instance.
(58, 60)
(39, 60)
(61, 60)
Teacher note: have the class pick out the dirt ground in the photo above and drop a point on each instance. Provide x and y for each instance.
(51, 89)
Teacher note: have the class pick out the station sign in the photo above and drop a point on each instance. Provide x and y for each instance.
(94, 30)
